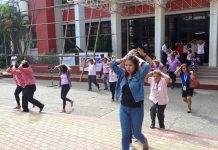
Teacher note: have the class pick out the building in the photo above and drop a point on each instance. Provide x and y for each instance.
(146, 23)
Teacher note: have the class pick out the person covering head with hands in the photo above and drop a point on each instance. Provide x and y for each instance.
(187, 92)
(29, 87)
(158, 95)
(65, 83)
(130, 87)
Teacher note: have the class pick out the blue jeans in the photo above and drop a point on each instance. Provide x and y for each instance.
(131, 120)
(106, 80)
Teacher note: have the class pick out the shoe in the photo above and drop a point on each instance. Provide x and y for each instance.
(145, 147)
(172, 87)
(152, 126)
(189, 111)
(40, 110)
(25, 110)
(63, 111)
(98, 87)
(106, 89)
(89, 89)
(71, 103)
(162, 128)
(17, 107)
(131, 146)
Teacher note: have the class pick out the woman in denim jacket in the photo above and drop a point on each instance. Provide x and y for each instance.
(130, 87)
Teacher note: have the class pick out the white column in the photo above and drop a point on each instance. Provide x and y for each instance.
(80, 26)
(159, 27)
(213, 49)
(58, 26)
(116, 31)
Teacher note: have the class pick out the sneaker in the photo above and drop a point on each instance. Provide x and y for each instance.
(17, 107)
(131, 146)
(152, 126)
(40, 110)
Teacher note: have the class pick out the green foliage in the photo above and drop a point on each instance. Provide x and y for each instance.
(13, 25)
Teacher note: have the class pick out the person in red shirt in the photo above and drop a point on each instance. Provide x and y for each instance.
(17, 76)
(29, 87)
(179, 47)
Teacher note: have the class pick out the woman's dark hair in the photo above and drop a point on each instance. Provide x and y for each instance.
(185, 65)
(25, 65)
(135, 62)
(63, 69)
(16, 66)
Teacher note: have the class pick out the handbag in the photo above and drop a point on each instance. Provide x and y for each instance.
(194, 83)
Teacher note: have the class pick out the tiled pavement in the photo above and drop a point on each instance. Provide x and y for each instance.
(55, 131)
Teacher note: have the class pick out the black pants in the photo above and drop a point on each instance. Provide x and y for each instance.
(17, 92)
(112, 88)
(159, 111)
(173, 78)
(64, 90)
(92, 79)
(164, 58)
(28, 93)
(201, 57)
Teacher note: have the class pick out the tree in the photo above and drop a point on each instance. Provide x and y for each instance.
(14, 29)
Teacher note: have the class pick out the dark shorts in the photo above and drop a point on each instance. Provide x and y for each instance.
(188, 92)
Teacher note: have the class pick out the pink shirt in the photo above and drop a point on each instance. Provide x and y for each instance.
(92, 69)
(64, 79)
(27, 74)
(17, 76)
(105, 67)
(158, 92)
(112, 76)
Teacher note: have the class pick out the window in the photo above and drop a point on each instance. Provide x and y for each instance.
(104, 42)
(70, 43)
(33, 43)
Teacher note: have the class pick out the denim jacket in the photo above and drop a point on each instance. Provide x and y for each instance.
(136, 83)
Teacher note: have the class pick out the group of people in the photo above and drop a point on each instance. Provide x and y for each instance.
(126, 78)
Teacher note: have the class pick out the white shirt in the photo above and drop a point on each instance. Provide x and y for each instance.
(92, 69)
(112, 76)
(185, 47)
(194, 47)
(164, 48)
(13, 60)
(200, 49)
(158, 92)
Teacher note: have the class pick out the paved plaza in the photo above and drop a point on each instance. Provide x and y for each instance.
(93, 123)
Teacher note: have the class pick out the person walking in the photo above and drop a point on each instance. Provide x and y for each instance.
(29, 87)
(131, 85)
(187, 92)
(158, 95)
(106, 72)
(201, 51)
(113, 82)
(17, 76)
(173, 63)
(65, 83)
(92, 74)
